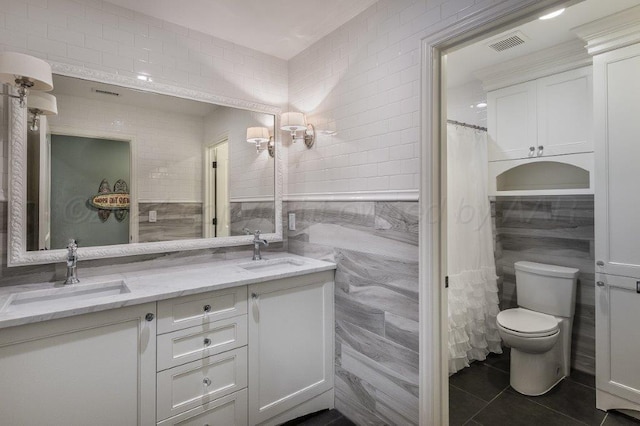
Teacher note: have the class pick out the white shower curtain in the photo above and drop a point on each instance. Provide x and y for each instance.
(473, 291)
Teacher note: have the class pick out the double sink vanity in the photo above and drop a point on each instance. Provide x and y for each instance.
(230, 342)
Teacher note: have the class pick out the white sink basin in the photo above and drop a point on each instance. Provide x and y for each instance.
(60, 295)
(272, 265)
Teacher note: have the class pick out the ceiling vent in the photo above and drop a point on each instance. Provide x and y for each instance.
(105, 92)
(507, 41)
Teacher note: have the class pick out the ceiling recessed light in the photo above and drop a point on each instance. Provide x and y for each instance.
(481, 104)
(552, 14)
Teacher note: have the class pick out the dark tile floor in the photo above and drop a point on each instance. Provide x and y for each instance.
(321, 418)
(481, 395)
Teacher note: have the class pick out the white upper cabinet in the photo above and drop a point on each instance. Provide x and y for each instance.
(565, 105)
(545, 117)
(511, 122)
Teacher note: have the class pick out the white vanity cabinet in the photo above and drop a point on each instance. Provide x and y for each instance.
(291, 347)
(96, 369)
(202, 358)
(545, 117)
(617, 228)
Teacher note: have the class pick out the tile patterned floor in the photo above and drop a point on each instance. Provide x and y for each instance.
(321, 418)
(481, 395)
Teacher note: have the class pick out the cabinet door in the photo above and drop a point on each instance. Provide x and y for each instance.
(565, 113)
(93, 369)
(511, 122)
(290, 343)
(618, 342)
(617, 201)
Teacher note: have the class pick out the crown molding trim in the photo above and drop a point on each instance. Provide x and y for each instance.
(562, 57)
(611, 32)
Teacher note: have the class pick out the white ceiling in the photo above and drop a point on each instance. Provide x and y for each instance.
(281, 28)
(462, 64)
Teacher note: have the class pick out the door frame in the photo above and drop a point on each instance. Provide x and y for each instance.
(209, 210)
(133, 167)
(434, 385)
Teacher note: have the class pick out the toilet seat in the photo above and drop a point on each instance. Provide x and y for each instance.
(525, 323)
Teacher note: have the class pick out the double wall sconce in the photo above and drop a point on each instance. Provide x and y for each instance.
(296, 122)
(260, 136)
(29, 76)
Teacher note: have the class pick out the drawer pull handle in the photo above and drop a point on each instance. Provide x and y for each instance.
(207, 381)
(207, 308)
(207, 341)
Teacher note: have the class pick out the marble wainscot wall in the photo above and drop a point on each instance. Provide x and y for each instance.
(258, 215)
(88, 268)
(375, 246)
(557, 230)
(174, 221)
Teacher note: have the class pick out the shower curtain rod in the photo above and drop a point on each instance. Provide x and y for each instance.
(471, 126)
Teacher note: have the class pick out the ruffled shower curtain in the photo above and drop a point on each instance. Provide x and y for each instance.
(473, 291)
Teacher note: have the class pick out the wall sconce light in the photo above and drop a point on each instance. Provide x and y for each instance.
(295, 122)
(260, 135)
(40, 104)
(25, 73)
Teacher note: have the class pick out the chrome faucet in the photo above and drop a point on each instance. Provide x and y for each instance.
(72, 263)
(256, 243)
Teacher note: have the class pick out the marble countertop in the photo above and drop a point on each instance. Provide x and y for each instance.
(30, 303)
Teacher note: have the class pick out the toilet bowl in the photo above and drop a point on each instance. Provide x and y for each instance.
(539, 330)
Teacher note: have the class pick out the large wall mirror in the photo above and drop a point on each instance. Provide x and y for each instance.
(129, 167)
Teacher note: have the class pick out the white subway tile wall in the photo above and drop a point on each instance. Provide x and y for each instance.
(168, 145)
(363, 82)
(98, 35)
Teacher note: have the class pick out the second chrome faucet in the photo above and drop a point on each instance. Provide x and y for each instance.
(257, 241)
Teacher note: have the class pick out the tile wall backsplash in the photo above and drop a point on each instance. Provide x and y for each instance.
(174, 221)
(253, 216)
(375, 245)
(557, 230)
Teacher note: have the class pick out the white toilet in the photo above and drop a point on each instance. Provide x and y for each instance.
(539, 330)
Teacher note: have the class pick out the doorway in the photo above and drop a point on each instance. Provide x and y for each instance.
(468, 106)
(217, 219)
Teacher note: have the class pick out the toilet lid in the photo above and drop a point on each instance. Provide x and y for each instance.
(524, 321)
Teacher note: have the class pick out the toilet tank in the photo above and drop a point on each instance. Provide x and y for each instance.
(545, 288)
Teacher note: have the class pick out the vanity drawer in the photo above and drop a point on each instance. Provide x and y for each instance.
(188, 386)
(198, 309)
(191, 344)
(230, 410)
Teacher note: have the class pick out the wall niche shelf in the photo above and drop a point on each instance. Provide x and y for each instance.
(560, 175)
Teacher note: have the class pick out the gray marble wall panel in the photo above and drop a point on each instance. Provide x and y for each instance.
(375, 245)
(253, 216)
(558, 230)
(88, 268)
(175, 221)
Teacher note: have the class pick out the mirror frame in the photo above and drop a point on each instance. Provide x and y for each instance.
(17, 255)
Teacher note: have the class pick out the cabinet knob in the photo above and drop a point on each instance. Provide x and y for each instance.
(600, 263)
(540, 150)
(206, 381)
(532, 150)
(600, 283)
(149, 317)
(206, 308)
(207, 341)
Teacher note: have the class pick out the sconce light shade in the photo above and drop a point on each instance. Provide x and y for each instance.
(257, 135)
(20, 70)
(42, 103)
(293, 121)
